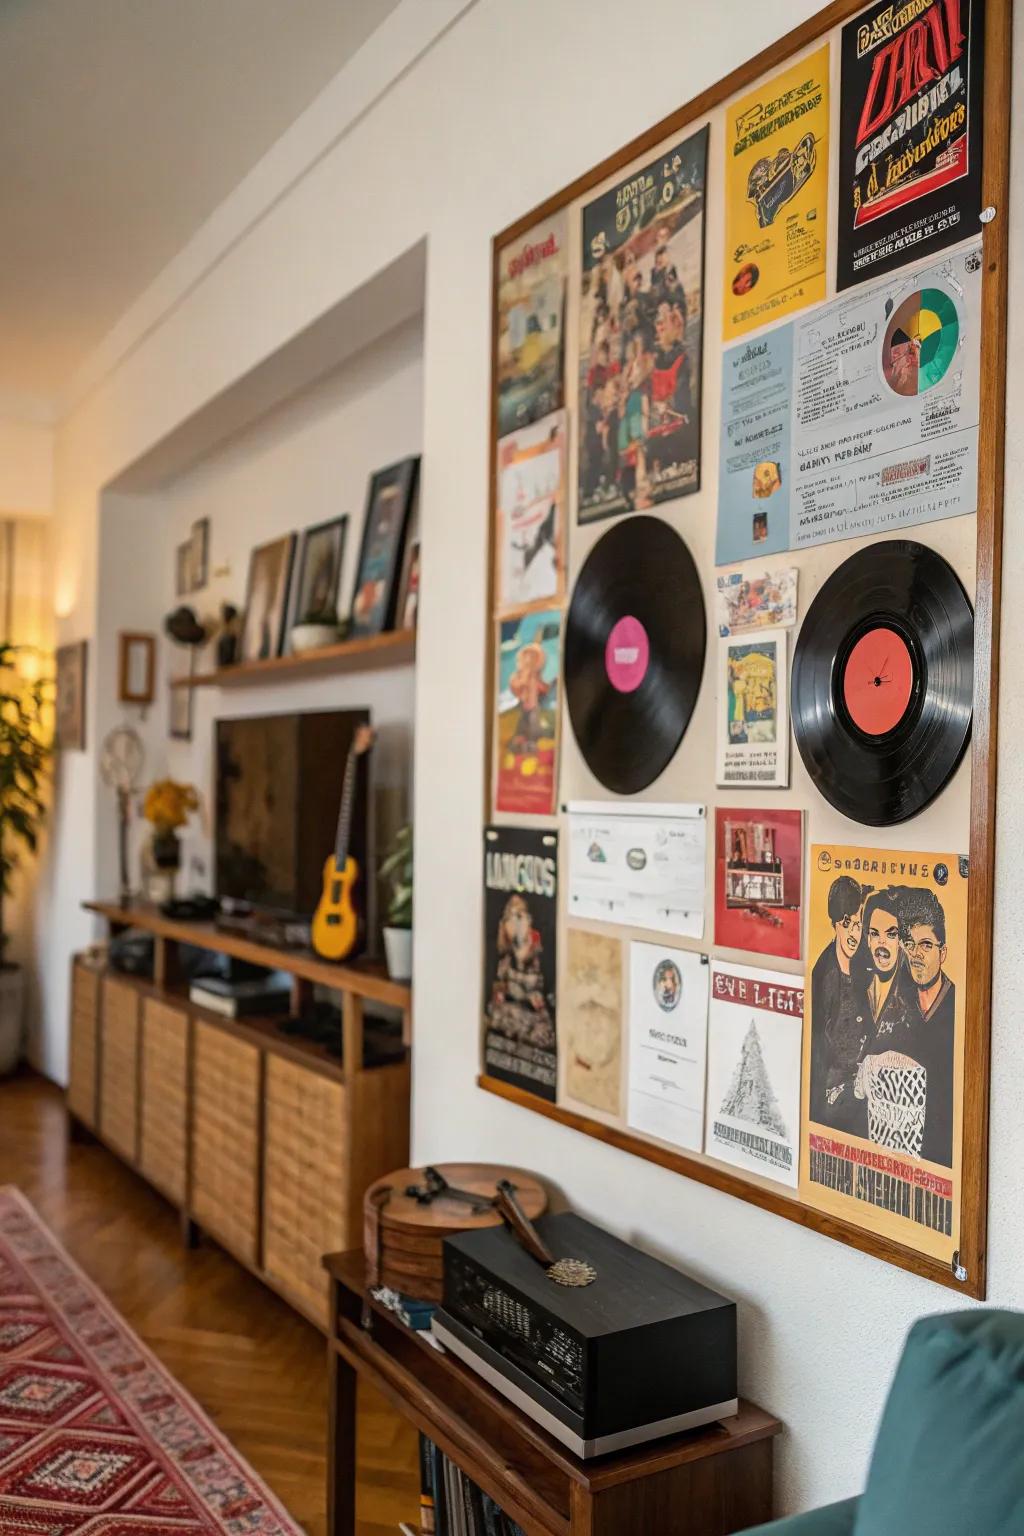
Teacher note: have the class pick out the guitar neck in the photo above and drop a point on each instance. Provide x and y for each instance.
(345, 814)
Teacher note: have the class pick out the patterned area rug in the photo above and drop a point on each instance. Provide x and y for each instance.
(96, 1439)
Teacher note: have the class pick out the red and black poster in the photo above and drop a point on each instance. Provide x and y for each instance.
(520, 915)
(910, 134)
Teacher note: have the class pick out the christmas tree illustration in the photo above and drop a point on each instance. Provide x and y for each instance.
(751, 1096)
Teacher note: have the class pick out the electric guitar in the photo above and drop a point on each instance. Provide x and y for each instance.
(337, 921)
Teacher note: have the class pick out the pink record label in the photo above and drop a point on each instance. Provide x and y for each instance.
(627, 654)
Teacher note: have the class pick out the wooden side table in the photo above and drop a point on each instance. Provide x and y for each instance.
(710, 1482)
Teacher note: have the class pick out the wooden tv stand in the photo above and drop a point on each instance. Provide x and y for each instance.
(262, 1140)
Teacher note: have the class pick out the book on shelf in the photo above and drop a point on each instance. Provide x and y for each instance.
(451, 1504)
(235, 999)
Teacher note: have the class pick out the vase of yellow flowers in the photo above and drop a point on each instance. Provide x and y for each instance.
(167, 807)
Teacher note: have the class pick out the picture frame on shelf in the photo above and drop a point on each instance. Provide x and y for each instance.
(388, 506)
(72, 661)
(318, 573)
(136, 668)
(409, 592)
(179, 725)
(199, 544)
(266, 599)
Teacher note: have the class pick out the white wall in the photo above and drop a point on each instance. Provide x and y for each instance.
(510, 104)
(26, 465)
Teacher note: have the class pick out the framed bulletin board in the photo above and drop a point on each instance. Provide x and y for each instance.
(747, 442)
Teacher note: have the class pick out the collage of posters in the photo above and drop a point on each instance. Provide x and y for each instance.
(641, 336)
(842, 222)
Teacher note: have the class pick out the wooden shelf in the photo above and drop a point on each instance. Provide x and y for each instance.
(364, 978)
(396, 648)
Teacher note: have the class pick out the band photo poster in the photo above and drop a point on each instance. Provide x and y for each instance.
(641, 326)
(520, 971)
(910, 143)
(776, 197)
(883, 1047)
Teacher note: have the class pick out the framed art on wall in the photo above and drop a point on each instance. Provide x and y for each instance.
(266, 602)
(136, 671)
(70, 724)
(319, 573)
(179, 726)
(388, 505)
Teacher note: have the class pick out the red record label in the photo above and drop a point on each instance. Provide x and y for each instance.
(878, 681)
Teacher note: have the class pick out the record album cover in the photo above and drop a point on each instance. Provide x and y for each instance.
(641, 329)
(520, 926)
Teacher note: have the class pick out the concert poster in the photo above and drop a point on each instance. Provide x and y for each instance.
(531, 324)
(759, 880)
(527, 709)
(884, 1041)
(520, 926)
(754, 1042)
(776, 197)
(641, 330)
(753, 712)
(910, 133)
(591, 1020)
(531, 513)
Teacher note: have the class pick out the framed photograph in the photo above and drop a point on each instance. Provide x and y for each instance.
(180, 712)
(199, 546)
(409, 597)
(71, 665)
(319, 573)
(183, 569)
(136, 668)
(388, 505)
(266, 600)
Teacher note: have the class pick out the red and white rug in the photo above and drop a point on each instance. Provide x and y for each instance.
(96, 1439)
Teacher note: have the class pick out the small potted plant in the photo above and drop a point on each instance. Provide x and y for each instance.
(167, 807)
(396, 870)
(25, 749)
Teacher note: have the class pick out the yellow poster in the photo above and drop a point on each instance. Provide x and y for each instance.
(884, 1042)
(776, 207)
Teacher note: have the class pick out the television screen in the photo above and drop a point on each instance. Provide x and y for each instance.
(277, 797)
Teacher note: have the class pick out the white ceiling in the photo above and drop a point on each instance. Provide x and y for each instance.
(123, 124)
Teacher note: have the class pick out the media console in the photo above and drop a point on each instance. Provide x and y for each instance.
(262, 1140)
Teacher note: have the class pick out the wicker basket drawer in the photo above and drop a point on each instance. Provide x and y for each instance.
(225, 1133)
(84, 1042)
(119, 1067)
(306, 1147)
(163, 1122)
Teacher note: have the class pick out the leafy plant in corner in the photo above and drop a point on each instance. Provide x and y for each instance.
(397, 871)
(25, 749)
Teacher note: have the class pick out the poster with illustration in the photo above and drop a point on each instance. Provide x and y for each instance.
(641, 327)
(531, 323)
(758, 880)
(756, 599)
(520, 927)
(754, 1043)
(883, 1048)
(668, 1025)
(526, 725)
(753, 711)
(591, 1020)
(531, 514)
(910, 137)
(776, 201)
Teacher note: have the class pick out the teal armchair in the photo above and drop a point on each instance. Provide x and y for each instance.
(949, 1456)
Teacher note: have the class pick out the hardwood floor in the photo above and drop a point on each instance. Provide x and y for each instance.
(256, 1367)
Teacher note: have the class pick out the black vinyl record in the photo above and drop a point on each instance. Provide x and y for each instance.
(634, 652)
(882, 687)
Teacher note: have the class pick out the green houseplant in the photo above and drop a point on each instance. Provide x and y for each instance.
(25, 750)
(396, 871)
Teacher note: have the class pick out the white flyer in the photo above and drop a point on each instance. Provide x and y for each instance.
(640, 866)
(668, 1027)
(753, 711)
(755, 1030)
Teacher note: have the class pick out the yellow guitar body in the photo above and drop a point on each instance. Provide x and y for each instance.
(336, 920)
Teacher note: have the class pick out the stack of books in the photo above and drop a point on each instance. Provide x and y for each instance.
(451, 1505)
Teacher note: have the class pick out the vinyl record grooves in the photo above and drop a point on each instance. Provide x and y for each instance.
(635, 640)
(882, 686)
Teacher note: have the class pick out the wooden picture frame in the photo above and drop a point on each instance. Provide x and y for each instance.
(317, 581)
(136, 668)
(72, 664)
(966, 1274)
(265, 615)
(388, 507)
(179, 711)
(199, 546)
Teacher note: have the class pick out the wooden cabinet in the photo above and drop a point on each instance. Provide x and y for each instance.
(119, 1067)
(304, 1180)
(226, 1133)
(83, 1068)
(163, 1122)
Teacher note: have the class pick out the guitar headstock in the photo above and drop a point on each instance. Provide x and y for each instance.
(363, 740)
